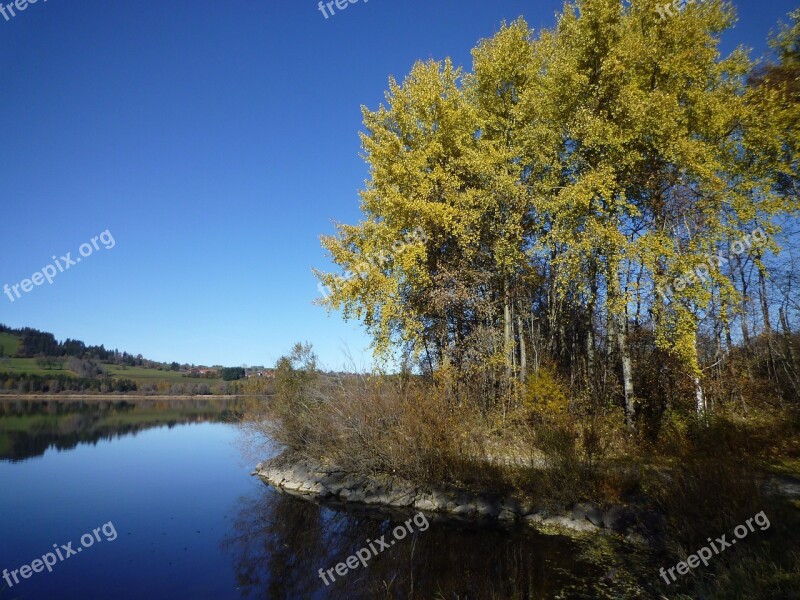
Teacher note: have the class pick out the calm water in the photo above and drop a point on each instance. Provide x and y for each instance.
(173, 482)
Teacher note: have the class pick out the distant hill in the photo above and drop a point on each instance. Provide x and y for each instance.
(33, 361)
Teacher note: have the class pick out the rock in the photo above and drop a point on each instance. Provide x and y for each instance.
(534, 518)
(465, 510)
(568, 523)
(353, 495)
(564, 521)
(425, 503)
(583, 526)
(318, 482)
(448, 502)
(402, 498)
(512, 506)
(436, 500)
(782, 486)
(508, 515)
(536, 510)
(293, 486)
(486, 508)
(352, 482)
(315, 487)
(588, 511)
(388, 496)
(333, 483)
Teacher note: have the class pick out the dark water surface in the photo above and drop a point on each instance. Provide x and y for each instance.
(184, 519)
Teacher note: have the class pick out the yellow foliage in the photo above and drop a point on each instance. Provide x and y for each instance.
(545, 395)
(611, 155)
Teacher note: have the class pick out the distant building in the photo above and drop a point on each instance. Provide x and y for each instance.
(203, 372)
(266, 373)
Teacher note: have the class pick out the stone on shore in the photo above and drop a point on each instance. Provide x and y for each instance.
(317, 481)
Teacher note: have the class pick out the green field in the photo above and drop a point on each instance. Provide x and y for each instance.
(142, 375)
(29, 366)
(9, 343)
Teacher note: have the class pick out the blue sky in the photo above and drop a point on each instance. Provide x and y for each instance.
(215, 141)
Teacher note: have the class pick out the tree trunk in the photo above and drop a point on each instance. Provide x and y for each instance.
(790, 359)
(787, 336)
(745, 324)
(700, 400)
(523, 359)
(619, 323)
(764, 302)
(591, 373)
(617, 307)
(627, 371)
(535, 337)
(507, 349)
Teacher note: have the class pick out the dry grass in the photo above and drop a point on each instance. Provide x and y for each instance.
(417, 429)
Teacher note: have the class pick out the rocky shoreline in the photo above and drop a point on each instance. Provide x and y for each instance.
(313, 480)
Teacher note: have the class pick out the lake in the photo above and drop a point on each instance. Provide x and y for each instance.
(154, 499)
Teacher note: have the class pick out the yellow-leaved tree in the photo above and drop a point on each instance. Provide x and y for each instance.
(575, 185)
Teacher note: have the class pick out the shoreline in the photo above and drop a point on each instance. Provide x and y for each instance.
(107, 397)
(313, 481)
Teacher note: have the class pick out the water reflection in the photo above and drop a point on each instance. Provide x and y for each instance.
(29, 427)
(274, 545)
(279, 543)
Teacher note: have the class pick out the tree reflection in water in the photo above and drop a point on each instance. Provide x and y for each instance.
(28, 428)
(279, 544)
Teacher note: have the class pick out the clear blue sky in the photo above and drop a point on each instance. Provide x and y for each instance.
(216, 141)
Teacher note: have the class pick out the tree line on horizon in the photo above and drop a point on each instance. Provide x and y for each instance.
(50, 353)
(88, 374)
